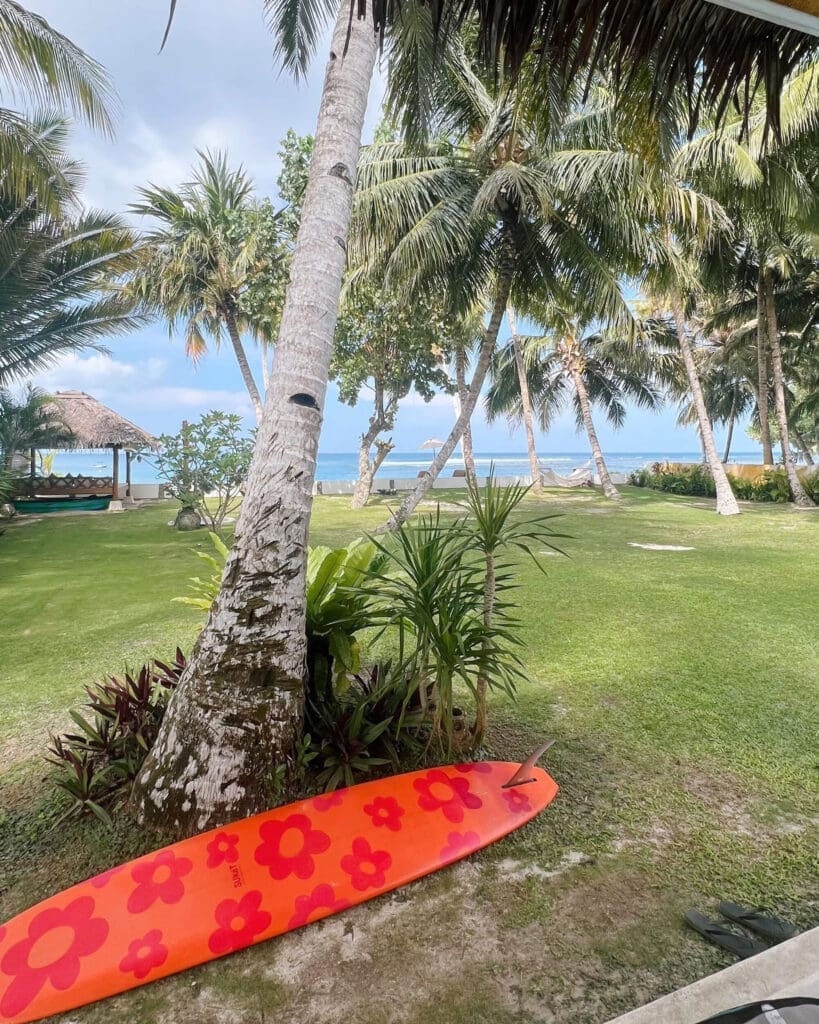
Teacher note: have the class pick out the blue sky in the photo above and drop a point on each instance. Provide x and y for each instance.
(215, 85)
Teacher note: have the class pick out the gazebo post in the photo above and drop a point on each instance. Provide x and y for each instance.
(115, 449)
(128, 473)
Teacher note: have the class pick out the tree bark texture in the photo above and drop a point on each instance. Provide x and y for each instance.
(238, 711)
(800, 497)
(726, 502)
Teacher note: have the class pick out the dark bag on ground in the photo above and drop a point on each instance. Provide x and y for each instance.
(776, 1011)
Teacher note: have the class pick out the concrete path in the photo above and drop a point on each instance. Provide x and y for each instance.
(787, 970)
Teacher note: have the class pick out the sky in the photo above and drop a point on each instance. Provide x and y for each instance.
(215, 86)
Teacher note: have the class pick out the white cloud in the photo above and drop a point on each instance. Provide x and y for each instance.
(199, 400)
(98, 374)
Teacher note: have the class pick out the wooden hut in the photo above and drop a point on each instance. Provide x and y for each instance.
(95, 426)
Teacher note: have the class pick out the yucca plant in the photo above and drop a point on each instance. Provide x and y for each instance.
(494, 528)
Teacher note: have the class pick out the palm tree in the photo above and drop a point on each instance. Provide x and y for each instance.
(481, 217)
(250, 664)
(195, 265)
(525, 401)
(239, 705)
(56, 270)
(39, 63)
(573, 364)
(28, 424)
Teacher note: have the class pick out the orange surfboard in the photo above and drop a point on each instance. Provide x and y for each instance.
(232, 887)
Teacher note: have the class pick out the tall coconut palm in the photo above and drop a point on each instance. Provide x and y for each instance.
(646, 162)
(249, 659)
(572, 364)
(771, 191)
(481, 216)
(196, 261)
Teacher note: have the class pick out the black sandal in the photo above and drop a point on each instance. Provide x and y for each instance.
(769, 927)
(740, 945)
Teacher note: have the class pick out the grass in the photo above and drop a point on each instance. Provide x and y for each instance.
(680, 687)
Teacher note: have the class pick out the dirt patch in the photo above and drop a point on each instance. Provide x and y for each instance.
(725, 796)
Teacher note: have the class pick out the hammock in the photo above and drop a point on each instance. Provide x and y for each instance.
(577, 478)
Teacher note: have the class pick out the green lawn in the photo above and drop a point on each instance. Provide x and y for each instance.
(681, 688)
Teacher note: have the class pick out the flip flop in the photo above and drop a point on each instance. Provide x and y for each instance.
(740, 945)
(766, 925)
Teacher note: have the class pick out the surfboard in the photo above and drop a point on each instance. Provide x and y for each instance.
(229, 888)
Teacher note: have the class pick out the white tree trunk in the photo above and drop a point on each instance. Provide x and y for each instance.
(726, 502)
(526, 404)
(244, 365)
(762, 374)
(490, 338)
(606, 482)
(239, 708)
(799, 495)
(459, 398)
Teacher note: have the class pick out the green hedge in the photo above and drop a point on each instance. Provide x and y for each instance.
(697, 481)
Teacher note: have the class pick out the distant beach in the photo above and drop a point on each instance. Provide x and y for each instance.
(344, 466)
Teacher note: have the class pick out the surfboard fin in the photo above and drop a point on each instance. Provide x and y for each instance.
(524, 773)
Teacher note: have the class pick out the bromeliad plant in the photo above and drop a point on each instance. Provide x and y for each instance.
(96, 765)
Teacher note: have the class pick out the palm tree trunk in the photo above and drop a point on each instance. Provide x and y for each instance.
(490, 339)
(526, 403)
(726, 502)
(802, 446)
(479, 728)
(606, 482)
(244, 365)
(238, 710)
(799, 496)
(762, 374)
(730, 436)
(461, 396)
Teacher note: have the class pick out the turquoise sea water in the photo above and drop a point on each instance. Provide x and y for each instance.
(334, 466)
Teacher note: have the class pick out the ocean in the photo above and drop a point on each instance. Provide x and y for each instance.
(344, 466)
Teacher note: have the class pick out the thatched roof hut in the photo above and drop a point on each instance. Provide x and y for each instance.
(94, 425)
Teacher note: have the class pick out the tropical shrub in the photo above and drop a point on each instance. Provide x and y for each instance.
(772, 485)
(117, 727)
(371, 725)
(339, 605)
(433, 595)
(205, 465)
